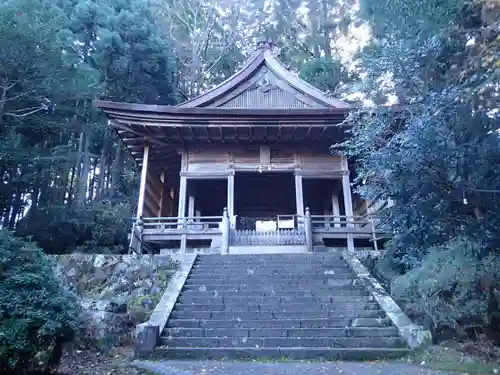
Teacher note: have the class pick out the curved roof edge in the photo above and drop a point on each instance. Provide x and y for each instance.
(260, 57)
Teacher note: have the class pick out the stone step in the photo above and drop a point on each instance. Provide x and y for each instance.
(255, 285)
(284, 342)
(272, 263)
(274, 266)
(266, 257)
(235, 353)
(280, 323)
(328, 285)
(337, 264)
(183, 299)
(281, 332)
(281, 307)
(257, 315)
(265, 271)
(197, 279)
(337, 291)
(260, 272)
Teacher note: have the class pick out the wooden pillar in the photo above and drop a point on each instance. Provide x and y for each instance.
(191, 207)
(225, 232)
(299, 199)
(346, 189)
(142, 188)
(230, 199)
(309, 231)
(336, 210)
(181, 209)
(162, 194)
(299, 194)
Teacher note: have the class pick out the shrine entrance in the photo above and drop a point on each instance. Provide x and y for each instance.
(265, 210)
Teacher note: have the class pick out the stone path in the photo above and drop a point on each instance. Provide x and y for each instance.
(284, 368)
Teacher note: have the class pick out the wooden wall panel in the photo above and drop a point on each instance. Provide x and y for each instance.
(207, 161)
(310, 161)
(152, 194)
(282, 156)
(243, 156)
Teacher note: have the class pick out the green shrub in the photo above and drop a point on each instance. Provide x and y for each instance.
(37, 315)
(98, 227)
(453, 286)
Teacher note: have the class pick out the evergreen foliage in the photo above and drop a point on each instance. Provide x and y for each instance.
(436, 153)
(37, 315)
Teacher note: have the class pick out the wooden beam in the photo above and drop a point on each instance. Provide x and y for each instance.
(162, 196)
(346, 189)
(142, 188)
(181, 209)
(299, 194)
(230, 198)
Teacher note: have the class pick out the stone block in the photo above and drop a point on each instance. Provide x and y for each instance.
(268, 332)
(187, 323)
(416, 336)
(227, 332)
(372, 332)
(272, 323)
(370, 322)
(324, 323)
(317, 332)
(146, 338)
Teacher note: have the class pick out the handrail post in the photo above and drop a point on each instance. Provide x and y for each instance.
(350, 233)
(374, 236)
(135, 244)
(308, 228)
(183, 236)
(131, 243)
(225, 232)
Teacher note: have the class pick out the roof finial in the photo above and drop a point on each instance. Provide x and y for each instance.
(267, 45)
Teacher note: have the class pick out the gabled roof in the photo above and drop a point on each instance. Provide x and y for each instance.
(265, 72)
(261, 103)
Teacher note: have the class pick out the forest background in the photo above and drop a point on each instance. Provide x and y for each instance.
(68, 185)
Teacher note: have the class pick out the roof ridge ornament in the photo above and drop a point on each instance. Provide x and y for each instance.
(267, 45)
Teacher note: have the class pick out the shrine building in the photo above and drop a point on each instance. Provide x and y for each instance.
(244, 167)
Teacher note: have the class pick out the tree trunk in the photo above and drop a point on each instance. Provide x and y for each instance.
(79, 155)
(66, 171)
(116, 171)
(16, 209)
(94, 185)
(102, 166)
(71, 186)
(84, 176)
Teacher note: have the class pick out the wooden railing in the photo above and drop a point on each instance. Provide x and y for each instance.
(195, 223)
(277, 237)
(302, 232)
(350, 225)
(135, 243)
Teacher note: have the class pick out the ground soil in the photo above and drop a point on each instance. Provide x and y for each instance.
(449, 357)
(91, 362)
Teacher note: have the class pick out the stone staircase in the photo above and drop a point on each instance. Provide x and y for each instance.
(272, 306)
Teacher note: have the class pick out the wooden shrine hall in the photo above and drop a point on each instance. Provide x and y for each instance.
(244, 166)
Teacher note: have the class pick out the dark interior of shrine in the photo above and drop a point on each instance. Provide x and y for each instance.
(210, 196)
(264, 195)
